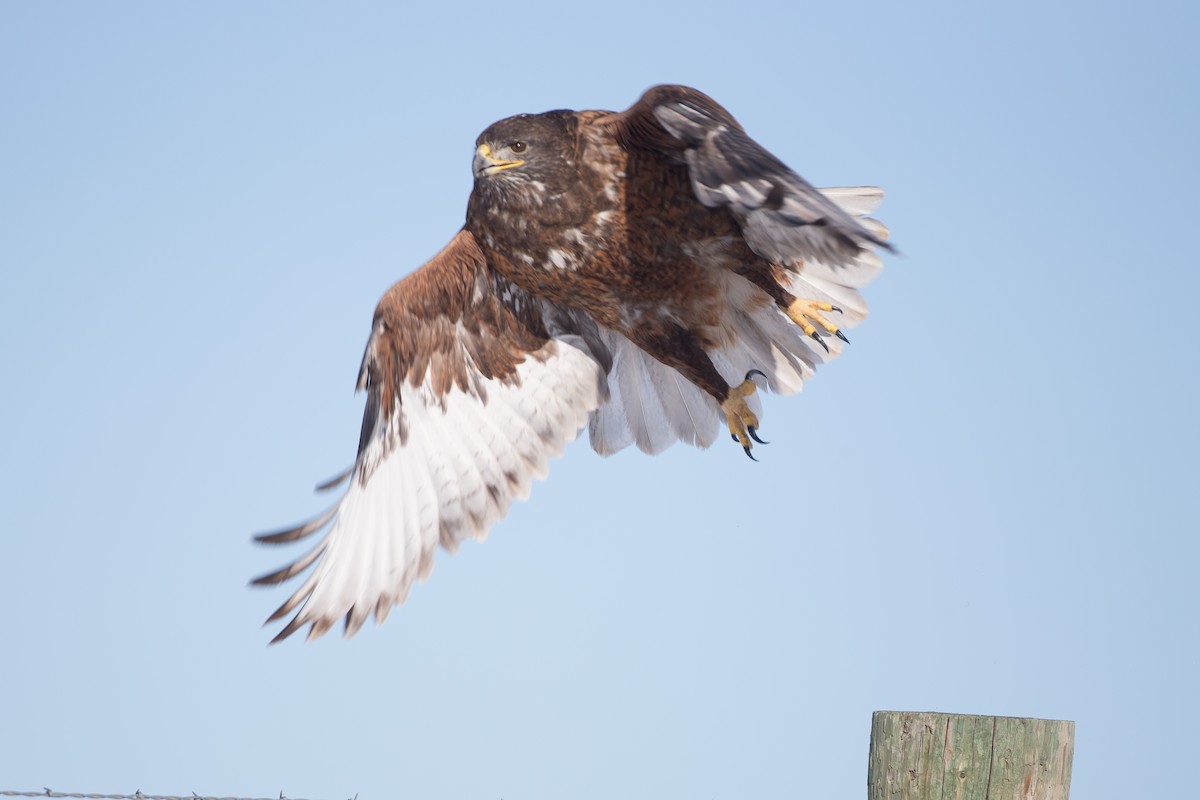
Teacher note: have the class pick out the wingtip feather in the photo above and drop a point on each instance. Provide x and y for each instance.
(297, 532)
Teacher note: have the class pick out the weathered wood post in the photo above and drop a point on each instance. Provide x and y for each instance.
(926, 756)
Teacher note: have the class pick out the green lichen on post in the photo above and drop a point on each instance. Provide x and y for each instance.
(927, 756)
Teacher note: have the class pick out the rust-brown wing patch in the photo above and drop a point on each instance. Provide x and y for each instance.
(446, 325)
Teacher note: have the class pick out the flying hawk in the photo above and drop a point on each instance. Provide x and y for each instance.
(639, 273)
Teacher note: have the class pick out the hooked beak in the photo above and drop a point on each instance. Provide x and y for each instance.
(485, 163)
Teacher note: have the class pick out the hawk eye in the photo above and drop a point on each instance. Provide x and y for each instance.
(517, 147)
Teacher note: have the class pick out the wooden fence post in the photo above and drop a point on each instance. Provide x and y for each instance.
(926, 756)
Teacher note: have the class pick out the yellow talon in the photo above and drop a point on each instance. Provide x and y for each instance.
(742, 421)
(801, 311)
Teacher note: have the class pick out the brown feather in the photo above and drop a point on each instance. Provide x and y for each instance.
(637, 128)
(439, 318)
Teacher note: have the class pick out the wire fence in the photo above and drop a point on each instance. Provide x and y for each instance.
(138, 795)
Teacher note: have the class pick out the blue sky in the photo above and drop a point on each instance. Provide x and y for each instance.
(986, 506)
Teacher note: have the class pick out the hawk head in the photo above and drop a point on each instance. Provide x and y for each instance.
(530, 157)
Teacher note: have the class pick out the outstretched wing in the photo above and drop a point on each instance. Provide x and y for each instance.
(471, 386)
(783, 217)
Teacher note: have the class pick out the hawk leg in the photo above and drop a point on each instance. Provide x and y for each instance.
(677, 347)
(806, 312)
(743, 423)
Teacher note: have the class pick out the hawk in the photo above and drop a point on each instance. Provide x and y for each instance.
(640, 273)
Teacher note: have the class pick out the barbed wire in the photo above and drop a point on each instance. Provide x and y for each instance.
(137, 796)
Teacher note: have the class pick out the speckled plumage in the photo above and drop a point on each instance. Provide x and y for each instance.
(617, 270)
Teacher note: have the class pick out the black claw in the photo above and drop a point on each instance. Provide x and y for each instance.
(756, 372)
(820, 341)
(748, 453)
(733, 436)
(841, 336)
(750, 429)
(835, 308)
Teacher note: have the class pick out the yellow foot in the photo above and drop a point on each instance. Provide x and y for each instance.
(805, 312)
(743, 424)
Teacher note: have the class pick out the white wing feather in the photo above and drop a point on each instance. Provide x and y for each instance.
(462, 464)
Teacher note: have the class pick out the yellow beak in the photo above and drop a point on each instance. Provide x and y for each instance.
(485, 163)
